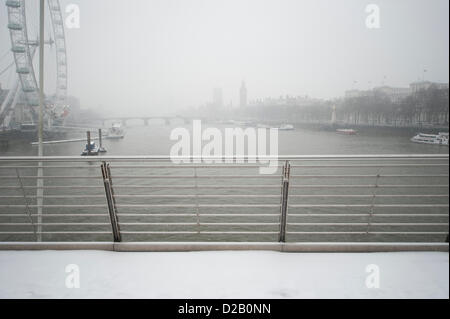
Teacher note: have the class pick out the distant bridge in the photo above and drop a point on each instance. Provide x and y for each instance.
(147, 119)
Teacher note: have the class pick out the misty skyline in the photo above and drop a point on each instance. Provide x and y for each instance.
(154, 57)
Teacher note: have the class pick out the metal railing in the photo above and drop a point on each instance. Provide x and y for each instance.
(335, 198)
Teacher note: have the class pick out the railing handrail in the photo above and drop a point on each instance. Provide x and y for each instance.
(243, 157)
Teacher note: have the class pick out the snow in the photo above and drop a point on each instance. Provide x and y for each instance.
(222, 274)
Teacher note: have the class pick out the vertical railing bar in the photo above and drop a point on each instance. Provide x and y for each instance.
(107, 194)
(112, 190)
(196, 200)
(27, 208)
(374, 193)
(112, 209)
(281, 203)
(116, 218)
(39, 199)
(284, 201)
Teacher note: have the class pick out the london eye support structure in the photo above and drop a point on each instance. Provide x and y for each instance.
(23, 49)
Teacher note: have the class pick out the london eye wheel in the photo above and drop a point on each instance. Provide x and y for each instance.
(23, 47)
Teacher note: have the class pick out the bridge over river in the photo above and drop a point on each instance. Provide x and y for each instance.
(146, 119)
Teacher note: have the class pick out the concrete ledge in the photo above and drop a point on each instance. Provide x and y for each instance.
(196, 246)
(57, 246)
(364, 247)
(210, 246)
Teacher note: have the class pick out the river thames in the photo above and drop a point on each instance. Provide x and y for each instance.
(155, 140)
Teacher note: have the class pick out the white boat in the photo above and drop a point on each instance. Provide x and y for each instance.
(346, 131)
(436, 139)
(286, 127)
(116, 131)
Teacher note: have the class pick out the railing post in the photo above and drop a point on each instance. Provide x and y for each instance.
(109, 192)
(284, 201)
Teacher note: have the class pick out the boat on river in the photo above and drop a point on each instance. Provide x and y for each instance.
(90, 149)
(435, 139)
(116, 131)
(346, 131)
(286, 127)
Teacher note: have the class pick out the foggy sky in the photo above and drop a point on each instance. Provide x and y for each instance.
(156, 56)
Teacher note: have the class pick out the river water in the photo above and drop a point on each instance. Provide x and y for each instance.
(133, 192)
(155, 140)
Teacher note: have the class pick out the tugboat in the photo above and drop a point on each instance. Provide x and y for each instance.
(90, 148)
(436, 139)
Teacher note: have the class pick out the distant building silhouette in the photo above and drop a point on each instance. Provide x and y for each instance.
(424, 85)
(333, 115)
(396, 94)
(217, 98)
(243, 95)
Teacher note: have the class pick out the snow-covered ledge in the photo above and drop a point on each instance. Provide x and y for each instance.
(222, 274)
